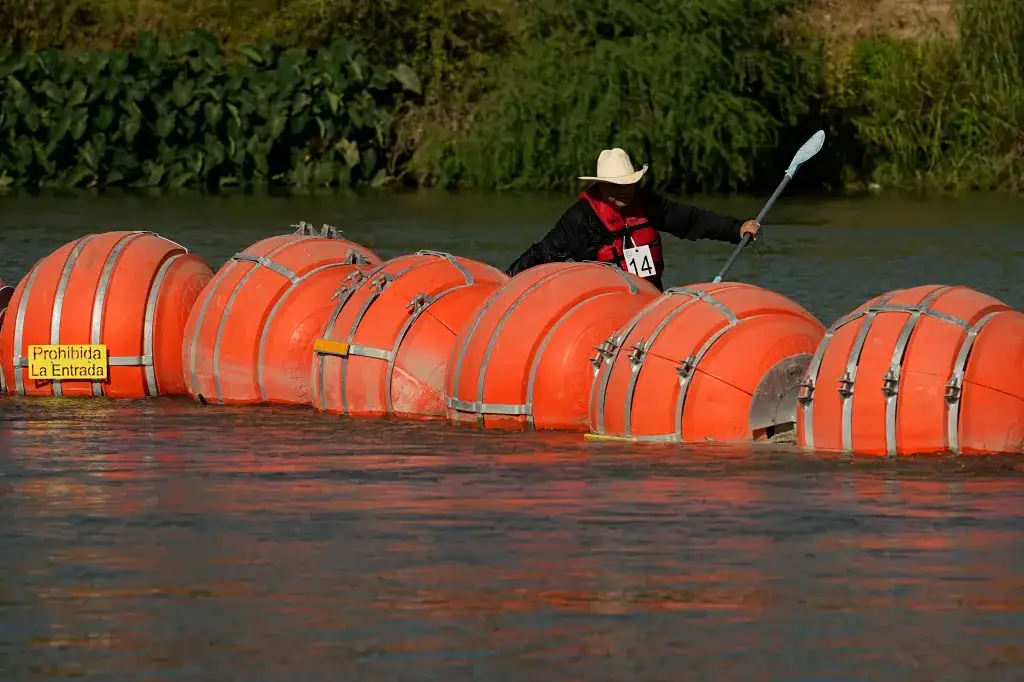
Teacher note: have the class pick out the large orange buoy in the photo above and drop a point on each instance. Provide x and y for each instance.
(923, 370)
(386, 346)
(250, 336)
(524, 359)
(704, 362)
(129, 291)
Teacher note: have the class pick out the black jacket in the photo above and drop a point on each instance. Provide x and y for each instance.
(579, 233)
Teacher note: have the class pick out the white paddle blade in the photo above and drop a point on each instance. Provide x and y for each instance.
(810, 148)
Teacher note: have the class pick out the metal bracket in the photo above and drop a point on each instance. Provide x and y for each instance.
(686, 367)
(890, 383)
(806, 394)
(419, 303)
(846, 385)
(638, 352)
(356, 258)
(953, 390)
(381, 281)
(326, 232)
(605, 350)
(353, 280)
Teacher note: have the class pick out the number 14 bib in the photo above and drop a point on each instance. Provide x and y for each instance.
(639, 260)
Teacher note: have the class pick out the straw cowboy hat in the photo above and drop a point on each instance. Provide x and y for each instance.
(615, 167)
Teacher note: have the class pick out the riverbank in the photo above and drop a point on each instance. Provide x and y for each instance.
(511, 94)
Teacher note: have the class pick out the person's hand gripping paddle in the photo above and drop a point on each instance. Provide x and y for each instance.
(810, 148)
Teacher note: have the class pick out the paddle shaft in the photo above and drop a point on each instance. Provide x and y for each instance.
(746, 238)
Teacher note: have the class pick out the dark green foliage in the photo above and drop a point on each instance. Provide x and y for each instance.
(700, 89)
(942, 114)
(714, 94)
(179, 113)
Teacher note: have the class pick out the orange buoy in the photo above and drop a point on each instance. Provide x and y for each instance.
(524, 359)
(928, 369)
(250, 336)
(717, 362)
(386, 346)
(129, 291)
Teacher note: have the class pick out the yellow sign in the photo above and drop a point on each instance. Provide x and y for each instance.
(67, 362)
(328, 347)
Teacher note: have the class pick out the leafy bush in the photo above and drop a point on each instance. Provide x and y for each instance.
(180, 113)
(701, 90)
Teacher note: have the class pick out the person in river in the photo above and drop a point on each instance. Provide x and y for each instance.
(615, 221)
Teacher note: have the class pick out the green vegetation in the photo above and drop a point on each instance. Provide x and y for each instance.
(180, 114)
(714, 94)
(935, 112)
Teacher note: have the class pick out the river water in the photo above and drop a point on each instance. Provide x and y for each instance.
(162, 540)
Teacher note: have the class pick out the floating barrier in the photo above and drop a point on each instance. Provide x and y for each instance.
(928, 369)
(719, 362)
(249, 338)
(386, 345)
(524, 359)
(128, 291)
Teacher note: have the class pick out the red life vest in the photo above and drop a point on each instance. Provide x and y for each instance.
(630, 229)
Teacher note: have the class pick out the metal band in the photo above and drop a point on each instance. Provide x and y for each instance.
(492, 341)
(457, 370)
(630, 282)
(599, 390)
(269, 264)
(454, 413)
(890, 382)
(148, 328)
(208, 292)
(19, 325)
(806, 395)
(100, 300)
(463, 270)
(488, 408)
(954, 387)
(420, 306)
(265, 333)
(636, 367)
(809, 384)
(916, 307)
(846, 382)
(348, 288)
(689, 369)
(535, 365)
(58, 299)
(264, 261)
(707, 298)
(112, 361)
(380, 283)
(370, 352)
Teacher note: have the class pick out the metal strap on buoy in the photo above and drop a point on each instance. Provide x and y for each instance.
(21, 362)
(891, 380)
(265, 261)
(954, 387)
(347, 348)
(481, 408)
(607, 353)
(638, 354)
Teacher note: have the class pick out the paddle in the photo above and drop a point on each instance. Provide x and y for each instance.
(810, 148)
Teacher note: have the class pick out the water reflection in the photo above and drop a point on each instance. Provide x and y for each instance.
(160, 539)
